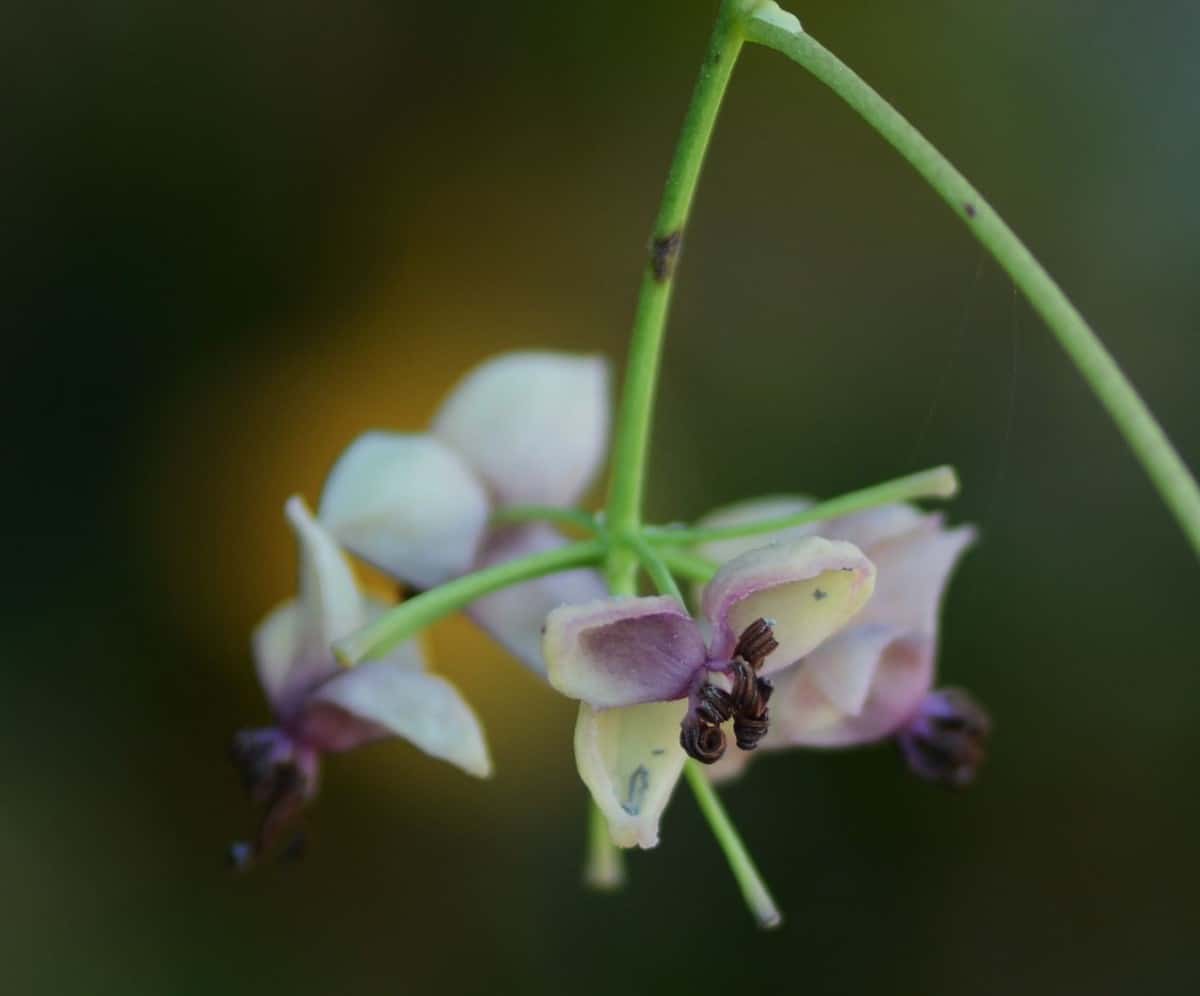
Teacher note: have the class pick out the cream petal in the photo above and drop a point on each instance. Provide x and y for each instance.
(514, 616)
(623, 651)
(902, 665)
(393, 696)
(408, 504)
(533, 425)
(291, 646)
(808, 588)
(630, 760)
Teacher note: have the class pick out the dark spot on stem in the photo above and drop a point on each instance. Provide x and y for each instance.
(663, 254)
(970, 209)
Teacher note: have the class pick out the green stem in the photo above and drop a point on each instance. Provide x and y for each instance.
(940, 482)
(660, 573)
(754, 889)
(546, 513)
(604, 868)
(407, 619)
(1134, 420)
(689, 565)
(749, 880)
(632, 439)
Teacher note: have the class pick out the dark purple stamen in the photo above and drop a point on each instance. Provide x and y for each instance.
(265, 759)
(703, 741)
(745, 703)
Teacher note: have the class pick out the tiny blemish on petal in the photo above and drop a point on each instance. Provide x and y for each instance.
(658, 751)
(818, 594)
(639, 785)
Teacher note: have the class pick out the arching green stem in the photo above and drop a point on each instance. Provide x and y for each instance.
(1134, 420)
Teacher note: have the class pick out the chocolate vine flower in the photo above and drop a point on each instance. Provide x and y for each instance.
(650, 681)
(321, 707)
(873, 680)
(523, 428)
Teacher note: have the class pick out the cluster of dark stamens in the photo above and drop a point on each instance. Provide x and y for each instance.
(745, 703)
(278, 787)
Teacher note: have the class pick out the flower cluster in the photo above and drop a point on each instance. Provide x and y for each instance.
(874, 678)
(522, 428)
(321, 708)
(816, 636)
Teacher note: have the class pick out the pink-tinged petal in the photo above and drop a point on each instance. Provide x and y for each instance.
(914, 567)
(623, 651)
(808, 588)
(750, 511)
(912, 552)
(286, 672)
(803, 714)
(407, 504)
(533, 425)
(630, 760)
(292, 645)
(877, 525)
(843, 678)
(514, 616)
(394, 697)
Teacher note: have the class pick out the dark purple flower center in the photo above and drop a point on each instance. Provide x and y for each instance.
(946, 740)
(274, 778)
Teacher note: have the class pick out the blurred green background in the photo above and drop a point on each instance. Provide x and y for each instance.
(240, 233)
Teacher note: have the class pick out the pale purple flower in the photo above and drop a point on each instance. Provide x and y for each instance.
(642, 666)
(521, 428)
(321, 707)
(874, 678)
